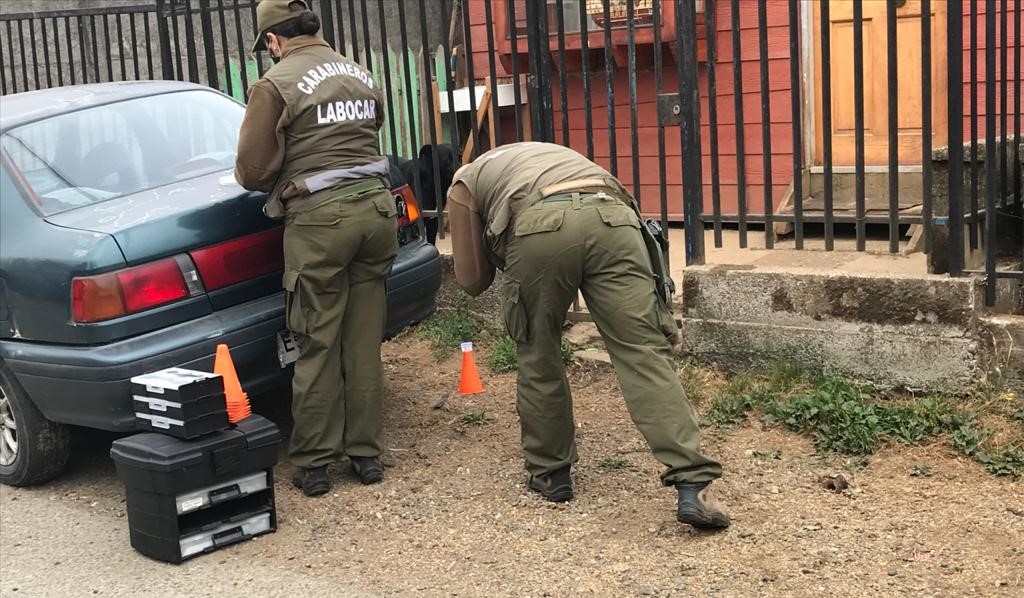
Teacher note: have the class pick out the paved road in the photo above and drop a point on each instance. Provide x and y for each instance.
(55, 542)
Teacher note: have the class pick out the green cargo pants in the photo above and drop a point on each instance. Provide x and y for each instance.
(337, 258)
(593, 244)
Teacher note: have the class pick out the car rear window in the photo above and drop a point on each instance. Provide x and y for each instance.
(89, 156)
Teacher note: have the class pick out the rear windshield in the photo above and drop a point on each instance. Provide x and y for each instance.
(93, 155)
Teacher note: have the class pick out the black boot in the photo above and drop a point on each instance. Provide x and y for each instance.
(555, 487)
(313, 481)
(369, 469)
(698, 507)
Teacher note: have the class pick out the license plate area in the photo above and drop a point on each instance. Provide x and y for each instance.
(287, 348)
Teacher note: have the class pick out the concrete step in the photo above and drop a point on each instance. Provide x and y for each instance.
(830, 301)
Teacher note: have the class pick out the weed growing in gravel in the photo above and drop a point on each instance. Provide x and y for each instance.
(921, 470)
(694, 380)
(737, 399)
(474, 418)
(503, 355)
(447, 329)
(1006, 461)
(614, 464)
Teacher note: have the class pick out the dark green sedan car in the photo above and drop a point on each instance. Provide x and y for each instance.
(126, 247)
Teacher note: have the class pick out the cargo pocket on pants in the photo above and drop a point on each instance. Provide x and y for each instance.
(295, 313)
(666, 322)
(514, 313)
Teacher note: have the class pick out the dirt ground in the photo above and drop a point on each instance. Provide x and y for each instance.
(453, 519)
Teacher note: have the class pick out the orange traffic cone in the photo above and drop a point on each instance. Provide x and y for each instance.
(470, 383)
(237, 400)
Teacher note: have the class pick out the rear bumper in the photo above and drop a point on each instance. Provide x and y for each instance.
(89, 386)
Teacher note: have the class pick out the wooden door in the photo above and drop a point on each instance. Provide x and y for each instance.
(876, 124)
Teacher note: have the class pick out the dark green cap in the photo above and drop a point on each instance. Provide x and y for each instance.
(270, 13)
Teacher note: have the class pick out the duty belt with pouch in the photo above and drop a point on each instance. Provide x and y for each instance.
(654, 236)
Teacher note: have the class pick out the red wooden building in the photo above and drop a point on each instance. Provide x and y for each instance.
(779, 83)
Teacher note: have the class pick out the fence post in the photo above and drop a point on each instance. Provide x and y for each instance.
(541, 110)
(164, 34)
(686, 35)
(206, 22)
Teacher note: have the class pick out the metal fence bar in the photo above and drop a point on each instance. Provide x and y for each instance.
(588, 118)
(711, 38)
(433, 129)
(972, 226)
(686, 38)
(46, 54)
(179, 69)
(658, 89)
(826, 123)
(149, 48)
(95, 48)
(190, 34)
(517, 92)
(35, 56)
(858, 118)
(106, 41)
(892, 86)
(954, 45)
(327, 23)
(471, 78)
(339, 9)
(741, 156)
(926, 121)
(410, 101)
(633, 125)
(389, 92)
(259, 55)
(206, 25)
(456, 134)
(24, 56)
(766, 123)
(10, 61)
(797, 112)
(354, 33)
(1017, 178)
(71, 53)
(120, 46)
(609, 78)
(991, 164)
(562, 92)
(1004, 177)
(134, 32)
(366, 34)
(229, 84)
(493, 68)
(3, 69)
(57, 52)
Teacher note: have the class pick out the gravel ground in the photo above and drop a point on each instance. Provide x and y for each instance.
(453, 518)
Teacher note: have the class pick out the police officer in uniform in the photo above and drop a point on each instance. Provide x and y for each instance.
(309, 139)
(556, 223)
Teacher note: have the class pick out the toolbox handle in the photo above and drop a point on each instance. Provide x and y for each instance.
(226, 493)
(228, 536)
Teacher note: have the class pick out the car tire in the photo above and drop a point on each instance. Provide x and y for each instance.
(34, 449)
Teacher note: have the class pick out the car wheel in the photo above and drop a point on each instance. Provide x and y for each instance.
(33, 450)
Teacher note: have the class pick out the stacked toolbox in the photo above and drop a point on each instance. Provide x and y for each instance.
(186, 497)
(180, 402)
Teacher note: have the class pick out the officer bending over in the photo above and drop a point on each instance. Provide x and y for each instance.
(556, 223)
(309, 139)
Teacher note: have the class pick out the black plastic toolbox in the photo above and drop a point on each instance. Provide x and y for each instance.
(182, 403)
(187, 497)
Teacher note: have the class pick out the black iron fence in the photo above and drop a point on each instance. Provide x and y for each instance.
(761, 123)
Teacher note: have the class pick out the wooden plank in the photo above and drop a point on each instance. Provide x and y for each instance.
(491, 118)
(482, 111)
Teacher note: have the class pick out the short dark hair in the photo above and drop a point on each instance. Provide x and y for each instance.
(307, 23)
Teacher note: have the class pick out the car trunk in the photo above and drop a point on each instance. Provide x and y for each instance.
(183, 218)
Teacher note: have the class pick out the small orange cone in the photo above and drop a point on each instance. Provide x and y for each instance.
(470, 383)
(237, 400)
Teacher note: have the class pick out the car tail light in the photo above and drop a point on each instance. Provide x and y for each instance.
(108, 296)
(408, 209)
(240, 259)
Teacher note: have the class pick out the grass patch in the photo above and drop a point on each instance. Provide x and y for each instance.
(503, 355)
(474, 419)
(614, 464)
(447, 329)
